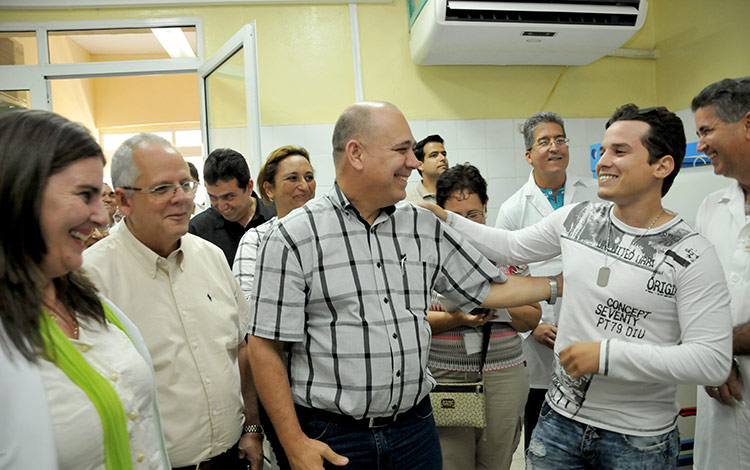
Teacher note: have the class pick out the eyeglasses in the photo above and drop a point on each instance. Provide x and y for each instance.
(543, 144)
(477, 216)
(166, 191)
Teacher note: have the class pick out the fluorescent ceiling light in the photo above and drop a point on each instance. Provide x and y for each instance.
(173, 41)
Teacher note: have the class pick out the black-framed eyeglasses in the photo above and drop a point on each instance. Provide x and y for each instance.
(166, 190)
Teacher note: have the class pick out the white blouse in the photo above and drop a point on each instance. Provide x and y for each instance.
(75, 421)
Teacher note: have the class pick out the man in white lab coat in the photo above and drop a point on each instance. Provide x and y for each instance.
(549, 188)
(722, 120)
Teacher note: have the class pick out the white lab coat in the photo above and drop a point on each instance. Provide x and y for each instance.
(722, 433)
(525, 207)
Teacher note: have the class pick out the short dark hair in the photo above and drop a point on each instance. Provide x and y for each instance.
(666, 135)
(464, 177)
(730, 96)
(226, 164)
(419, 146)
(35, 146)
(271, 167)
(194, 172)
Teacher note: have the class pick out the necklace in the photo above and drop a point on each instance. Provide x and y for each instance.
(64, 321)
(602, 279)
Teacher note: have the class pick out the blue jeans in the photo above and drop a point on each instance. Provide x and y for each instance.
(561, 443)
(410, 443)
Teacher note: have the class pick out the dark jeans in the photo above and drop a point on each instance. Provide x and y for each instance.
(229, 460)
(531, 414)
(560, 442)
(409, 443)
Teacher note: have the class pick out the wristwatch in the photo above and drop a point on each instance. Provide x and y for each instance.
(552, 290)
(256, 428)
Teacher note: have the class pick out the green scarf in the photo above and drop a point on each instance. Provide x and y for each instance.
(64, 354)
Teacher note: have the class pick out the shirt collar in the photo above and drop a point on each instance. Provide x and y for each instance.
(339, 199)
(149, 257)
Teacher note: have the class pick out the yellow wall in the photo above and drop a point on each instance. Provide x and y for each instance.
(72, 98)
(699, 42)
(121, 101)
(306, 73)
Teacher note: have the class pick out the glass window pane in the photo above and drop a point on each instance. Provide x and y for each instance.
(104, 45)
(188, 138)
(227, 112)
(14, 99)
(18, 48)
(112, 141)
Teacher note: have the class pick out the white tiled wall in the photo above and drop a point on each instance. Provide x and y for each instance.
(494, 146)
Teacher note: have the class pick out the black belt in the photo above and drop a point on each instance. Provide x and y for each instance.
(304, 412)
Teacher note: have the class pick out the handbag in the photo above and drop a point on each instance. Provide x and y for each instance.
(462, 403)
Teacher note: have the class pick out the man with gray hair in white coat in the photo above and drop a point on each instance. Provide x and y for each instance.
(722, 120)
(549, 188)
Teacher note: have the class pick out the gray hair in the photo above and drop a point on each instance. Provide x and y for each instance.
(528, 127)
(124, 171)
(730, 96)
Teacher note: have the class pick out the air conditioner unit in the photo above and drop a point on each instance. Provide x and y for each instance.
(483, 32)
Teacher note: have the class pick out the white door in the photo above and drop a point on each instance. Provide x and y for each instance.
(230, 111)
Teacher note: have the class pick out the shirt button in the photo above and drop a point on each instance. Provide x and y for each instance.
(398, 373)
(132, 415)
(735, 277)
(395, 335)
(85, 348)
(208, 380)
(216, 444)
(385, 300)
(141, 457)
(378, 264)
(394, 407)
(214, 412)
(184, 313)
(113, 377)
(195, 345)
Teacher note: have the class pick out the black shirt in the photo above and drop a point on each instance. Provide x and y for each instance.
(212, 226)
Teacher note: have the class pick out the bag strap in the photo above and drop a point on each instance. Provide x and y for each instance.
(486, 331)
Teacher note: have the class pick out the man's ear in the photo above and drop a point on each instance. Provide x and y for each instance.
(745, 120)
(663, 167)
(123, 202)
(250, 185)
(354, 152)
(528, 157)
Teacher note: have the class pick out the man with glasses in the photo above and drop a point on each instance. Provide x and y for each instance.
(549, 188)
(235, 208)
(722, 119)
(179, 291)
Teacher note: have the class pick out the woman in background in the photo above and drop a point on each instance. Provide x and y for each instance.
(286, 179)
(77, 382)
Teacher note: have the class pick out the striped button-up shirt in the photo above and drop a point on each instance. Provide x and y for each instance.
(351, 299)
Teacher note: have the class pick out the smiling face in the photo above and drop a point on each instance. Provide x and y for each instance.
(232, 201)
(551, 160)
(158, 222)
(726, 144)
(71, 209)
(293, 186)
(435, 160)
(624, 172)
(387, 158)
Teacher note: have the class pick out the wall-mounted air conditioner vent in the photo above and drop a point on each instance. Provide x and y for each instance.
(624, 13)
(522, 32)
